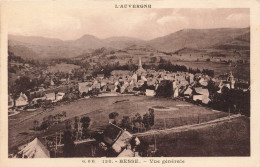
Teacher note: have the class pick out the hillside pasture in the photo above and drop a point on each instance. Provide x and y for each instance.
(231, 138)
(62, 67)
(98, 109)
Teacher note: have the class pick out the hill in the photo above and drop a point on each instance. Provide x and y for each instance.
(41, 48)
(199, 38)
(34, 47)
(193, 39)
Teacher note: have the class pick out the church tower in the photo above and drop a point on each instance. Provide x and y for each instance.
(140, 63)
(232, 81)
(140, 70)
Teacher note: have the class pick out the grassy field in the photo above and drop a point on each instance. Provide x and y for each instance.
(98, 109)
(62, 67)
(239, 71)
(230, 138)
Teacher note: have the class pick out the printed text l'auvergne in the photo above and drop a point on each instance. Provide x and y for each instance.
(133, 6)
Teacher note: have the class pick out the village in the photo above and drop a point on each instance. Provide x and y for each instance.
(140, 82)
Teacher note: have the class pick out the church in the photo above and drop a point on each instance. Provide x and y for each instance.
(140, 70)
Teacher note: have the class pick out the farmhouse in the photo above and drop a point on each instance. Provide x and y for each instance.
(10, 101)
(149, 92)
(54, 97)
(188, 92)
(84, 87)
(34, 149)
(202, 95)
(22, 100)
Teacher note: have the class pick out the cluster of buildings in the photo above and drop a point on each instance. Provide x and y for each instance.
(185, 84)
(191, 86)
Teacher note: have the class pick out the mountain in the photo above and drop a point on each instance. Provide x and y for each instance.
(122, 39)
(88, 42)
(41, 48)
(35, 40)
(194, 39)
(198, 38)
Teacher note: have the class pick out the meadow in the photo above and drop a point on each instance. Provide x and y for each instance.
(230, 138)
(98, 108)
(62, 67)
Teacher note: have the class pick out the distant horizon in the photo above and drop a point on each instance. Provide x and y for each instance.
(35, 36)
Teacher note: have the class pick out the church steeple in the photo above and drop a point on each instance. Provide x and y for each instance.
(140, 63)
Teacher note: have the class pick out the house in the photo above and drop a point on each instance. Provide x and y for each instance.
(63, 81)
(201, 91)
(134, 77)
(22, 100)
(50, 96)
(38, 99)
(184, 83)
(84, 87)
(116, 137)
(203, 82)
(121, 72)
(143, 78)
(188, 92)
(100, 76)
(59, 96)
(10, 102)
(34, 149)
(197, 97)
(151, 81)
(52, 82)
(149, 92)
(205, 100)
(176, 92)
(54, 97)
(111, 87)
(202, 95)
(191, 78)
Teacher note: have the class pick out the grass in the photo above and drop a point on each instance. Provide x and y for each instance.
(99, 108)
(62, 67)
(239, 71)
(225, 139)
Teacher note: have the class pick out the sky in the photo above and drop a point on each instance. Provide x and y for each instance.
(70, 22)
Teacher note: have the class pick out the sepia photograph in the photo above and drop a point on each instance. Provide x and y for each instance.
(128, 81)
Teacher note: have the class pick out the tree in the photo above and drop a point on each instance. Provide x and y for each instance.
(153, 59)
(137, 121)
(64, 114)
(14, 92)
(125, 124)
(69, 146)
(45, 124)
(68, 124)
(113, 116)
(151, 114)
(50, 119)
(165, 89)
(76, 123)
(146, 121)
(85, 124)
(84, 94)
(35, 124)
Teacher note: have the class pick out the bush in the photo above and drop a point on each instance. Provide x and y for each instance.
(165, 89)
(125, 122)
(113, 115)
(85, 124)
